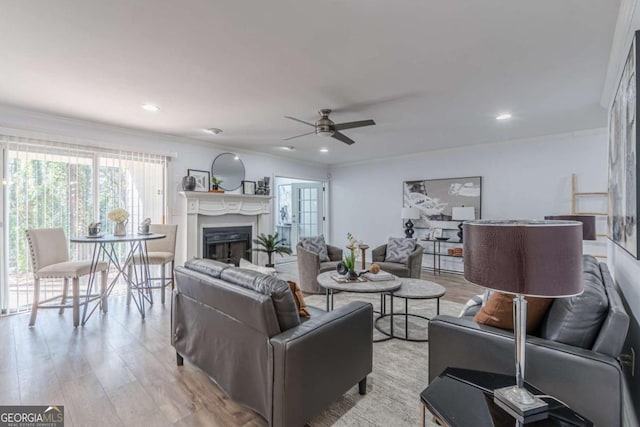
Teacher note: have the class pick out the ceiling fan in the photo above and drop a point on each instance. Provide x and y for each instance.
(326, 127)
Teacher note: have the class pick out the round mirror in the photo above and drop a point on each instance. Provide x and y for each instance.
(228, 168)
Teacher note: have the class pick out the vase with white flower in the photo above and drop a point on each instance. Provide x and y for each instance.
(120, 217)
(348, 264)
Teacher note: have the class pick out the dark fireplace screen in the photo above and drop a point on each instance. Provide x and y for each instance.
(227, 244)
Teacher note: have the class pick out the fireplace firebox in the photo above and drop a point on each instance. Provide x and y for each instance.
(227, 244)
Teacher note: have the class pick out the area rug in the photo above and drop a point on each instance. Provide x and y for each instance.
(399, 370)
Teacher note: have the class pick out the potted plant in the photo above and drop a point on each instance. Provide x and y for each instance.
(215, 183)
(270, 244)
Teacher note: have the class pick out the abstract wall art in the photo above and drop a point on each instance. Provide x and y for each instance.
(623, 164)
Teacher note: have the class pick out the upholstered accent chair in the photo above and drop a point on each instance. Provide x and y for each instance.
(309, 266)
(50, 260)
(411, 268)
(159, 252)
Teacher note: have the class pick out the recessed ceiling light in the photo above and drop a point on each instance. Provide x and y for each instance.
(288, 148)
(503, 116)
(236, 157)
(324, 150)
(150, 107)
(213, 131)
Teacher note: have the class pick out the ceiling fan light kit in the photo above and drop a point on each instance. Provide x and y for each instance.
(326, 127)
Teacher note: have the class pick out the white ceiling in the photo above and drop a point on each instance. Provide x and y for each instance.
(431, 73)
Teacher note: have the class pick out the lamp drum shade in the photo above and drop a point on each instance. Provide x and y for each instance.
(410, 213)
(588, 224)
(536, 258)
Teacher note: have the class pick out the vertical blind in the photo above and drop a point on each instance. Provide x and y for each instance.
(53, 184)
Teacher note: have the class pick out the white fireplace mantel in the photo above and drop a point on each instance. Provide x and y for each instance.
(200, 208)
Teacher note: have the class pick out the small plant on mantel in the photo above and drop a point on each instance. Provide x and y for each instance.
(215, 183)
(270, 244)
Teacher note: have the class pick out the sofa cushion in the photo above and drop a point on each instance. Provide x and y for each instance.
(577, 320)
(206, 266)
(298, 299)
(498, 311)
(317, 245)
(278, 290)
(399, 249)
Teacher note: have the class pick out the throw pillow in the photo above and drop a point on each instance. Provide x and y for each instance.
(399, 249)
(316, 245)
(264, 270)
(298, 299)
(498, 311)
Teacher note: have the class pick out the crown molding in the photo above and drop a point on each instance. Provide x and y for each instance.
(625, 24)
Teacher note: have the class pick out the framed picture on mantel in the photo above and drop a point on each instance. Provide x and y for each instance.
(202, 179)
(248, 187)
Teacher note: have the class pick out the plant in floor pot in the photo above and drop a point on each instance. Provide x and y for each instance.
(270, 244)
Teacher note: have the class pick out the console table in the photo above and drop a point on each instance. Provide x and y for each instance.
(463, 397)
(437, 253)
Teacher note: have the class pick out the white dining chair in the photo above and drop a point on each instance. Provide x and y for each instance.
(50, 260)
(159, 252)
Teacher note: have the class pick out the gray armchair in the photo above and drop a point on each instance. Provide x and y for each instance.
(309, 266)
(411, 268)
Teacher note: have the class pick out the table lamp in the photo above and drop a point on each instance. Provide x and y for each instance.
(409, 214)
(534, 258)
(588, 224)
(462, 213)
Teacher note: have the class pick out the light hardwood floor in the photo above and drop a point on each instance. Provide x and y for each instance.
(121, 370)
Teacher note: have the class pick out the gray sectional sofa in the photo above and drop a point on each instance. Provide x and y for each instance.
(575, 356)
(242, 329)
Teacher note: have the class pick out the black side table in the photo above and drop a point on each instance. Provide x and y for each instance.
(462, 398)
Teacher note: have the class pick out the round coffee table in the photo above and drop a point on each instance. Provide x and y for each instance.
(368, 287)
(412, 289)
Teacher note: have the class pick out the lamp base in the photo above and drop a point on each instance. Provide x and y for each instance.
(519, 402)
(408, 229)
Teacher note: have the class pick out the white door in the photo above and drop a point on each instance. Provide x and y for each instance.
(307, 214)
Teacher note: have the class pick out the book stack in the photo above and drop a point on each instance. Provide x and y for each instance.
(343, 279)
(380, 276)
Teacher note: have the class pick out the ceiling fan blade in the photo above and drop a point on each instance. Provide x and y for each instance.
(342, 137)
(351, 125)
(298, 136)
(301, 121)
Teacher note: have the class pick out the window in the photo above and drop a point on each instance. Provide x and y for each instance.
(50, 184)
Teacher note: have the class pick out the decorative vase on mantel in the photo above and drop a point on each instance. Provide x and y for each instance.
(120, 228)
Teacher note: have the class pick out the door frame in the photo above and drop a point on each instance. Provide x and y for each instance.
(326, 204)
(4, 278)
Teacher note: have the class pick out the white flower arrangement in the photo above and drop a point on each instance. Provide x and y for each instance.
(118, 215)
(354, 244)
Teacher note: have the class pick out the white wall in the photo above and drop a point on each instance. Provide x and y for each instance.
(525, 179)
(624, 267)
(186, 153)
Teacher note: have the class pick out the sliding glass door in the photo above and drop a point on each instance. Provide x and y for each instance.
(69, 186)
